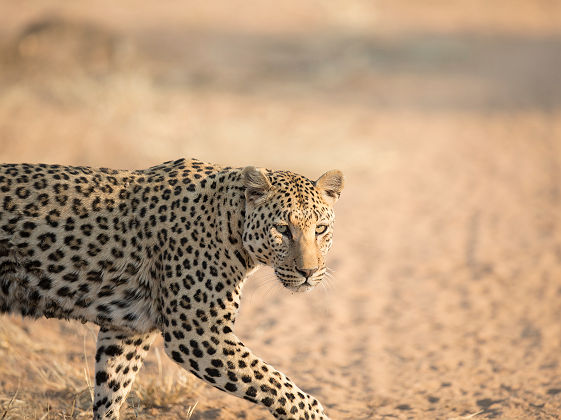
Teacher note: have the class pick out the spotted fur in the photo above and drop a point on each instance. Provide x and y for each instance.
(163, 250)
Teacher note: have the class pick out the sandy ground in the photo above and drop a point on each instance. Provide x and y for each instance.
(446, 297)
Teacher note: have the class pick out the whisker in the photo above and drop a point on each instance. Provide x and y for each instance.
(264, 286)
(329, 277)
(330, 281)
(269, 291)
(266, 280)
(325, 300)
(263, 280)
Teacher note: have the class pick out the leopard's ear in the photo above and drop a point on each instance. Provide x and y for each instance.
(256, 183)
(331, 184)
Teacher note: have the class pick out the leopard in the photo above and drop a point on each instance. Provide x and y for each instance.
(164, 251)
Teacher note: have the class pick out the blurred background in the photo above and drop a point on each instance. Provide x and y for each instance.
(443, 114)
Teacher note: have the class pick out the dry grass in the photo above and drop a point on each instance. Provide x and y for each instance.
(170, 387)
(52, 383)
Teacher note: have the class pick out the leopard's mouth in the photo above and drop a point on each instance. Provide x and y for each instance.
(296, 283)
(299, 288)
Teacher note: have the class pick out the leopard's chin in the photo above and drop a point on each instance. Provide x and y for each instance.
(302, 288)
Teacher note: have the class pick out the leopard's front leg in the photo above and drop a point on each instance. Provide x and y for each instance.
(211, 351)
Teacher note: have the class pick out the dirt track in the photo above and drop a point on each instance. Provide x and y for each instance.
(446, 297)
(446, 293)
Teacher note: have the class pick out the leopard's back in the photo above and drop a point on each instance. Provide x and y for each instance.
(73, 245)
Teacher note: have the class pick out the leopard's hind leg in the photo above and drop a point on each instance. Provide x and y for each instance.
(118, 359)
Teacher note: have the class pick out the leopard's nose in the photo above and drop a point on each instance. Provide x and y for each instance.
(307, 272)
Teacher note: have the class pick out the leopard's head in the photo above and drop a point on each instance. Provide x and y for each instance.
(289, 223)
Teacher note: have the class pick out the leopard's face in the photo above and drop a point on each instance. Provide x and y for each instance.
(289, 224)
(299, 241)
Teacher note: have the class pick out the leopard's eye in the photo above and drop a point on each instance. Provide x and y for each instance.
(282, 229)
(321, 229)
